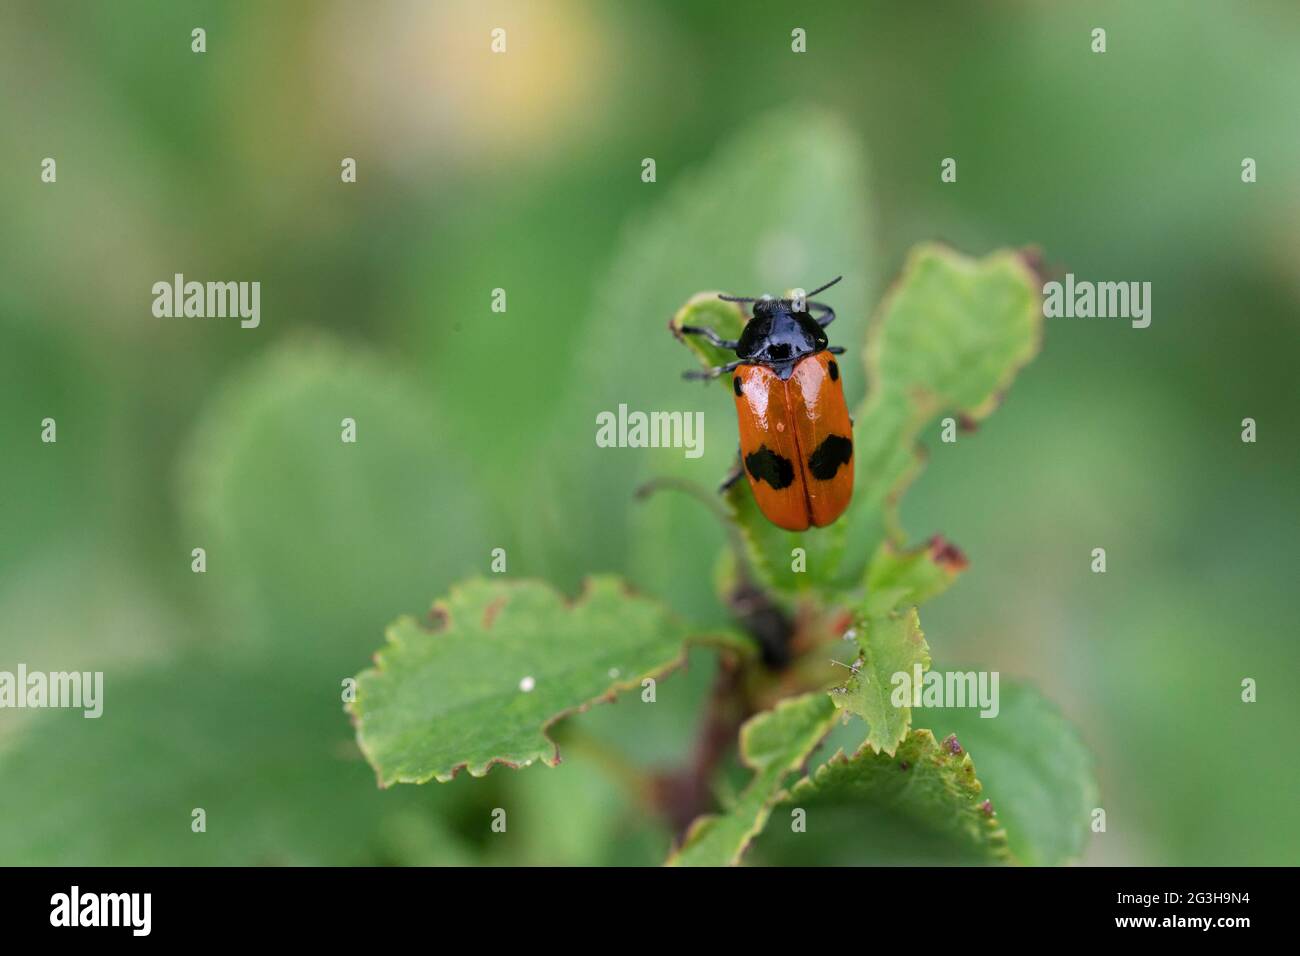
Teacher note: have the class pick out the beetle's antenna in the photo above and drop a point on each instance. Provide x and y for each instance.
(825, 287)
(736, 298)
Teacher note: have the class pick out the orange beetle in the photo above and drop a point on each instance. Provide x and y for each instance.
(796, 438)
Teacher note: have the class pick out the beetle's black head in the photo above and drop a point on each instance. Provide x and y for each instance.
(778, 337)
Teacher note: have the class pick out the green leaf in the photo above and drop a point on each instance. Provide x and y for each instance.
(774, 744)
(46, 372)
(912, 576)
(314, 543)
(950, 337)
(927, 783)
(502, 662)
(1035, 768)
(888, 644)
(706, 310)
(267, 755)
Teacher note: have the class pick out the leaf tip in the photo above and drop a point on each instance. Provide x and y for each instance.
(947, 555)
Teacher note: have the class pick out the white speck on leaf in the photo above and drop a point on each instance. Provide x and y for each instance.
(527, 684)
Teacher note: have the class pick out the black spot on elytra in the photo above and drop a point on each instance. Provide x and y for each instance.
(735, 383)
(767, 465)
(833, 369)
(834, 451)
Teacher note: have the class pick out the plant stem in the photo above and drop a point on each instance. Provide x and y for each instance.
(685, 794)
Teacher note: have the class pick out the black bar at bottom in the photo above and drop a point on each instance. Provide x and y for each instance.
(349, 906)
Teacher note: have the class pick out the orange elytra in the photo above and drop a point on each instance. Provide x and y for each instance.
(796, 438)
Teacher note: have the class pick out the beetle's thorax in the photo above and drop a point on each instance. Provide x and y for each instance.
(779, 338)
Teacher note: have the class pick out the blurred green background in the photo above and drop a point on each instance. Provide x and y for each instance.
(476, 429)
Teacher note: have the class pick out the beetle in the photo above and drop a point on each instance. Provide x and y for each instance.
(796, 437)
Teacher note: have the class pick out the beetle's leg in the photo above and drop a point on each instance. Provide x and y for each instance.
(828, 315)
(836, 350)
(713, 372)
(733, 476)
(711, 335)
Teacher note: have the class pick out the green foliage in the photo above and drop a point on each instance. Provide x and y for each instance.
(913, 576)
(774, 745)
(43, 374)
(949, 338)
(290, 517)
(782, 200)
(929, 784)
(500, 664)
(269, 760)
(706, 310)
(887, 644)
(308, 537)
(1116, 437)
(312, 540)
(1035, 768)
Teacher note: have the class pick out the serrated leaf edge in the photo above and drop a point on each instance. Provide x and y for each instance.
(997, 832)
(440, 612)
(1021, 261)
